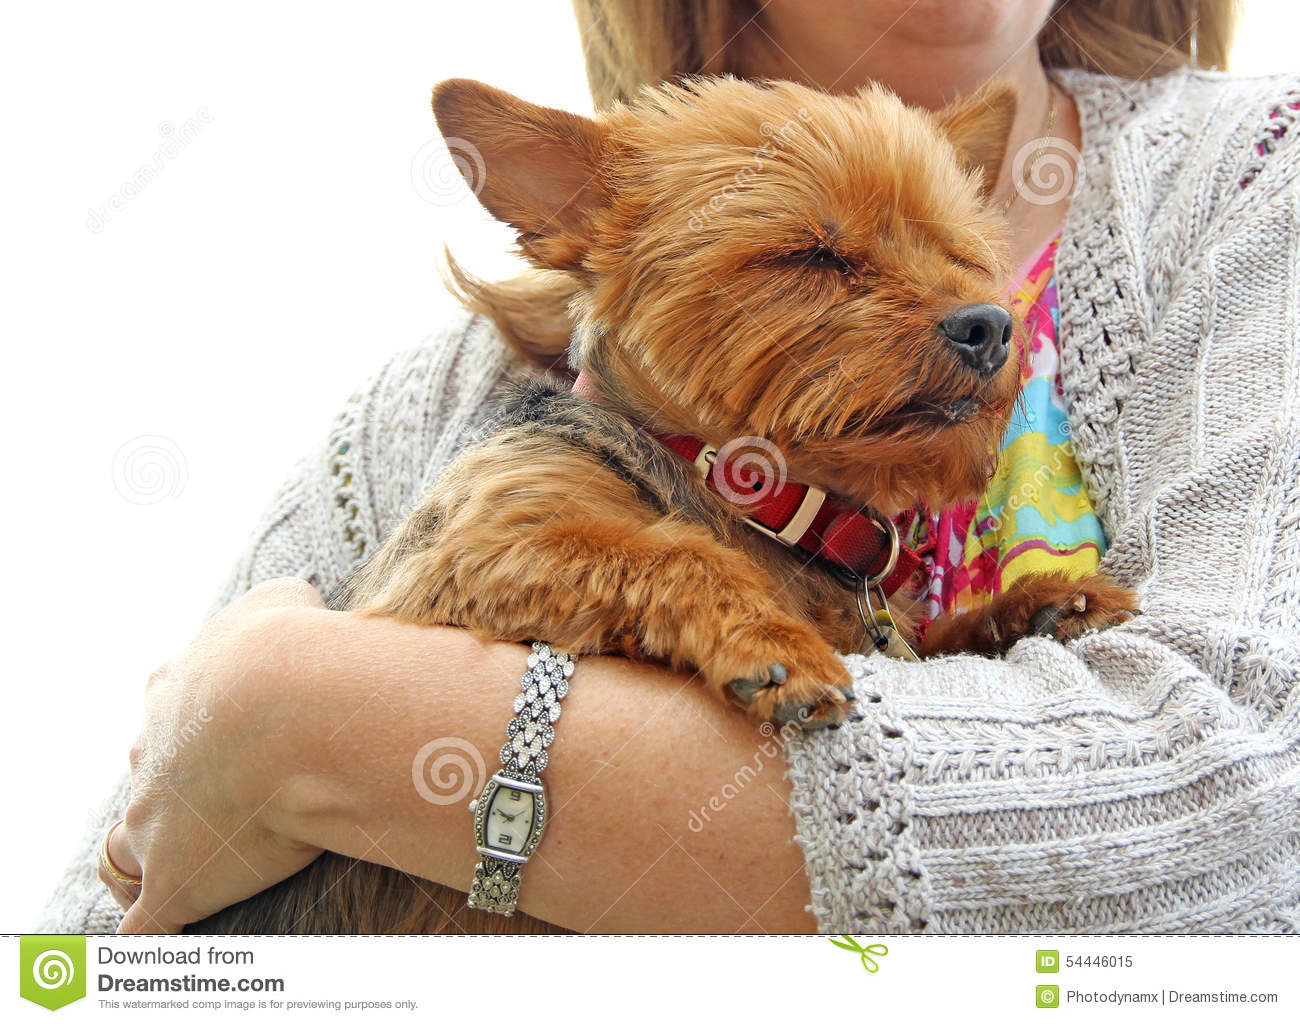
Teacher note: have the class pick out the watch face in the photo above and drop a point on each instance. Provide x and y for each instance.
(509, 820)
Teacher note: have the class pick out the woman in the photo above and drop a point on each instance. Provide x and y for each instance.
(1144, 778)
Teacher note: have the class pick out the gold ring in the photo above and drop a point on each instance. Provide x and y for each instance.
(107, 861)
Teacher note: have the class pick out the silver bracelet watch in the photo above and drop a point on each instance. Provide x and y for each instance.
(510, 813)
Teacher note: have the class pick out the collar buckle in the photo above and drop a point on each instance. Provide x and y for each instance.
(793, 531)
(705, 459)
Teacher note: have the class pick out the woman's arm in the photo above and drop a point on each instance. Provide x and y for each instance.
(640, 756)
(669, 811)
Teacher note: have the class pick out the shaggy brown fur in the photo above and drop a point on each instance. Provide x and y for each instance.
(744, 260)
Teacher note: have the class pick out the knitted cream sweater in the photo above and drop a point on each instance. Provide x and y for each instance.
(1144, 778)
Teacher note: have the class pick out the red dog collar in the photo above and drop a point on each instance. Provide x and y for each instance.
(863, 546)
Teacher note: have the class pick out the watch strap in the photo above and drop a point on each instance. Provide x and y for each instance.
(524, 755)
(537, 709)
(496, 886)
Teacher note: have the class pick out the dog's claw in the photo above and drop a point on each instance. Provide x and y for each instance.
(822, 709)
(1043, 622)
(1046, 621)
(744, 690)
(804, 716)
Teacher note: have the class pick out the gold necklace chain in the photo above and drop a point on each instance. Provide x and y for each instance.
(1044, 141)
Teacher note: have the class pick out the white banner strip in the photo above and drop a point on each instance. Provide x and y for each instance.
(605, 979)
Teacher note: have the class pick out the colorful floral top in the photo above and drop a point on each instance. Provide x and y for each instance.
(1036, 515)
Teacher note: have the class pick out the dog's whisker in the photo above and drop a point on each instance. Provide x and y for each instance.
(830, 369)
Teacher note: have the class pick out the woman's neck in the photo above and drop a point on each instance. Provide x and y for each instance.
(929, 67)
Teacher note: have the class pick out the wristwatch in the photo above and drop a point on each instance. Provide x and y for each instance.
(510, 813)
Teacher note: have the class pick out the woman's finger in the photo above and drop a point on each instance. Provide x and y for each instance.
(119, 852)
(281, 592)
(124, 896)
(140, 920)
(157, 676)
(123, 893)
(124, 885)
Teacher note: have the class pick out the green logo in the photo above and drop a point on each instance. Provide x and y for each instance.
(1047, 961)
(868, 953)
(52, 969)
(1047, 997)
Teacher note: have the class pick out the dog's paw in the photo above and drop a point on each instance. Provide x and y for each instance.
(1052, 605)
(785, 675)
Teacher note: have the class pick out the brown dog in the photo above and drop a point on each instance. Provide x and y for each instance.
(758, 270)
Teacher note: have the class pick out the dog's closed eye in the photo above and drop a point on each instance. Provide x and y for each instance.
(821, 257)
(968, 264)
(817, 256)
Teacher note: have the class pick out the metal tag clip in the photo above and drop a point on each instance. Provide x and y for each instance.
(881, 628)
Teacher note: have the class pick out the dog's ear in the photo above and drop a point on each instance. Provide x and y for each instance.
(535, 168)
(979, 125)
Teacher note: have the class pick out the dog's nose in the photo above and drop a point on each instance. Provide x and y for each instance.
(981, 334)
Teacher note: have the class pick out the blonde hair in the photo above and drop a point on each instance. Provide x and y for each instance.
(630, 43)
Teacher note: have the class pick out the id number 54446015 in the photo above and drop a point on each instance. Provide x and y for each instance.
(1104, 960)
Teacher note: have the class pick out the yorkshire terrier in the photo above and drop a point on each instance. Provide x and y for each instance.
(788, 323)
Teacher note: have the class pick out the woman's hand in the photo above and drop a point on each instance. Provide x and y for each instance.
(199, 827)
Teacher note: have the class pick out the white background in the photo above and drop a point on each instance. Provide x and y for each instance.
(229, 309)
